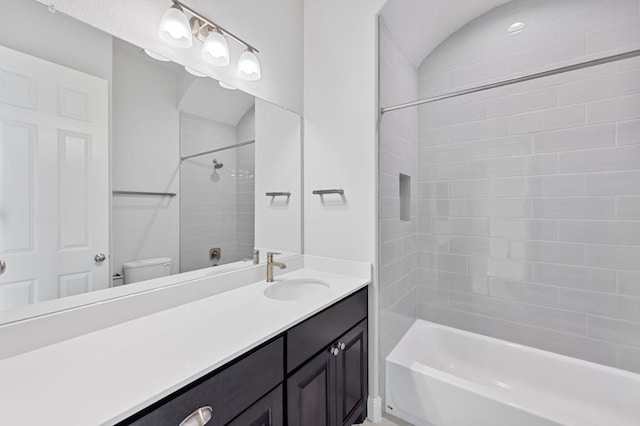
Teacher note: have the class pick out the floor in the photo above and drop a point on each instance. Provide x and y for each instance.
(384, 422)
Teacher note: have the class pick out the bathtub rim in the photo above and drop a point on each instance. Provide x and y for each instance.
(420, 323)
(551, 414)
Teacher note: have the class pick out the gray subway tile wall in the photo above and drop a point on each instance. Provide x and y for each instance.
(528, 196)
(398, 254)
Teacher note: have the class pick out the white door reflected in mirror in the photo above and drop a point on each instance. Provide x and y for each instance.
(55, 202)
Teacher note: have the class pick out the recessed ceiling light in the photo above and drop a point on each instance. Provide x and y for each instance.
(194, 72)
(226, 85)
(155, 56)
(516, 27)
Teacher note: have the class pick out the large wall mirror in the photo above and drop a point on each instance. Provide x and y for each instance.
(117, 167)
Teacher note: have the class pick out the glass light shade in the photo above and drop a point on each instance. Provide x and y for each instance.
(156, 56)
(194, 73)
(175, 29)
(215, 50)
(226, 85)
(248, 66)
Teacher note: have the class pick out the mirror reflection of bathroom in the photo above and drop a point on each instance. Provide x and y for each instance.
(217, 181)
(135, 208)
(215, 177)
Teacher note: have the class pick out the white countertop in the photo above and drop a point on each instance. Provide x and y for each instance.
(105, 376)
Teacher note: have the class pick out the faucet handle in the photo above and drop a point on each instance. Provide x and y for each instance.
(270, 255)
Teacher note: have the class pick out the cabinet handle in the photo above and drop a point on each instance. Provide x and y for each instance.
(341, 345)
(200, 417)
(335, 351)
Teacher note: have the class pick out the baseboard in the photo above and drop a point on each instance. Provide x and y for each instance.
(374, 409)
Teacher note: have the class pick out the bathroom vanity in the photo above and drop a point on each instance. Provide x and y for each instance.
(241, 355)
(315, 372)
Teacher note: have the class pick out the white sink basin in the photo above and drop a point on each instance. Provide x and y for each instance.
(295, 289)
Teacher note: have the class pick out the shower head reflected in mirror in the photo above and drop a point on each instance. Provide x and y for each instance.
(215, 177)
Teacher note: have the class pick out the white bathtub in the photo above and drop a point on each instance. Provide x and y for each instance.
(443, 376)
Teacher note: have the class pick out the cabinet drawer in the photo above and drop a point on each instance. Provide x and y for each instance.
(268, 411)
(321, 330)
(228, 392)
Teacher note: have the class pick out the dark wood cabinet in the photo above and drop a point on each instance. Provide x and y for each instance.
(331, 388)
(323, 329)
(352, 376)
(311, 392)
(314, 374)
(268, 411)
(228, 391)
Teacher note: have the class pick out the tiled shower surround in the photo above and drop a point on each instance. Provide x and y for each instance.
(528, 196)
(398, 154)
(217, 208)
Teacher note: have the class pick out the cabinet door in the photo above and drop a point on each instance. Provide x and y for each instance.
(311, 392)
(268, 411)
(352, 375)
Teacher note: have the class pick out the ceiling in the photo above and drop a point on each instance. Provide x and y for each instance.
(199, 96)
(205, 98)
(421, 25)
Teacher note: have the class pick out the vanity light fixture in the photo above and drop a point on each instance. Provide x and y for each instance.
(175, 28)
(215, 48)
(248, 66)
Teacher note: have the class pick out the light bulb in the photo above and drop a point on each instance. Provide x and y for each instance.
(215, 49)
(248, 66)
(175, 29)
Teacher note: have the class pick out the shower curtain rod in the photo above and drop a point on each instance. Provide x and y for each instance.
(224, 148)
(574, 67)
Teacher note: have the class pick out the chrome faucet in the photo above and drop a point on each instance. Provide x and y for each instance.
(271, 264)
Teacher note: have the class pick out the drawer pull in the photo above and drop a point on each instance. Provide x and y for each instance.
(334, 351)
(341, 346)
(200, 417)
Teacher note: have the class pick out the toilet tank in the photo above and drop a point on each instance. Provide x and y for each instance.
(146, 269)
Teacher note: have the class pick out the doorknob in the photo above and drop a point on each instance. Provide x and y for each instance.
(99, 258)
(3, 266)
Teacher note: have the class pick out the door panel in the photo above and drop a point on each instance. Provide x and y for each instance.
(352, 374)
(54, 180)
(311, 393)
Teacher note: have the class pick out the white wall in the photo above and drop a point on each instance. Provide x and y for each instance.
(340, 150)
(340, 127)
(59, 39)
(273, 27)
(145, 158)
(278, 168)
